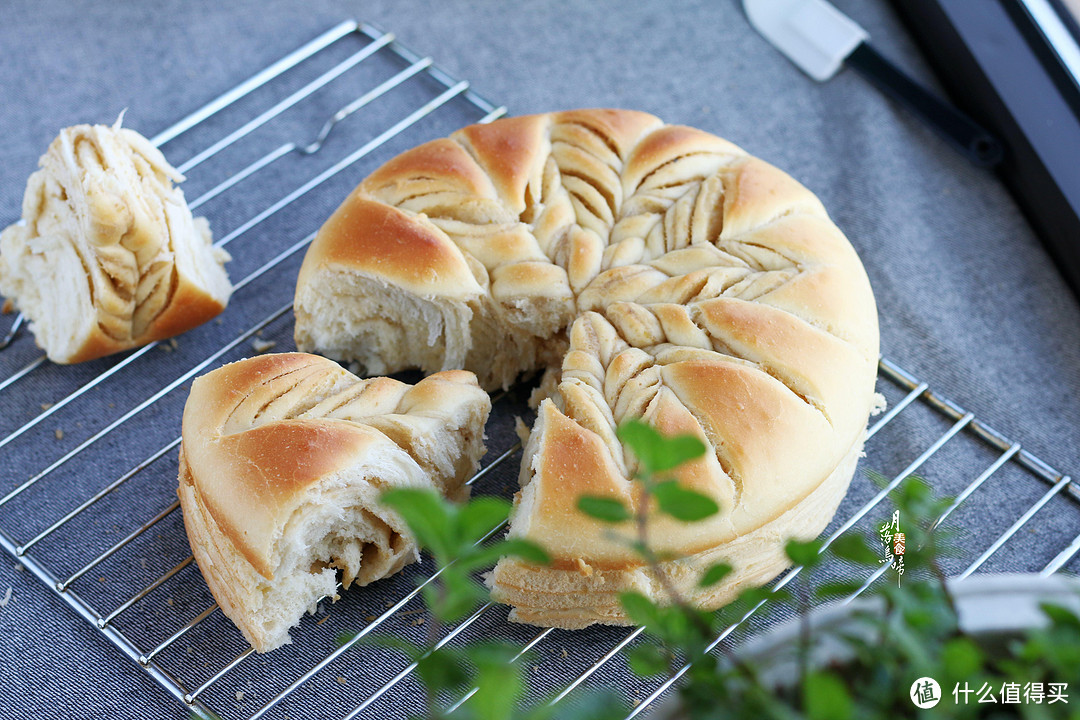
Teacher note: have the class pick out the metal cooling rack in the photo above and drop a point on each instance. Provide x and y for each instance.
(113, 547)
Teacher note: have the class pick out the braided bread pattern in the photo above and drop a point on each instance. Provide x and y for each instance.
(655, 272)
(108, 256)
(283, 458)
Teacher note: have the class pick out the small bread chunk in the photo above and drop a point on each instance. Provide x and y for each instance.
(107, 256)
(282, 462)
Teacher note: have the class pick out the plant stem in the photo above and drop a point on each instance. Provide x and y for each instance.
(653, 562)
(434, 627)
(804, 634)
(935, 567)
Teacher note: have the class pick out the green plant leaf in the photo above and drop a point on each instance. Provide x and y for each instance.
(683, 504)
(826, 697)
(647, 660)
(485, 557)
(676, 626)
(604, 509)
(526, 550)
(806, 553)
(442, 670)
(715, 574)
(1060, 615)
(409, 649)
(428, 516)
(657, 452)
(603, 704)
(640, 609)
(344, 637)
(480, 516)
(961, 659)
(837, 588)
(855, 548)
(455, 596)
(498, 684)
(641, 438)
(877, 478)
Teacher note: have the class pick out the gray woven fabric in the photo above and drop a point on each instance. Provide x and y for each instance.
(968, 299)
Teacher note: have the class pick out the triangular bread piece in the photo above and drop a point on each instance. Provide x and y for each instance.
(282, 462)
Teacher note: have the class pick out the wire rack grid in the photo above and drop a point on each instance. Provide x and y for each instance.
(111, 544)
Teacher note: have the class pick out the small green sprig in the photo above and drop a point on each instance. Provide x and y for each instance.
(454, 535)
(682, 629)
(916, 634)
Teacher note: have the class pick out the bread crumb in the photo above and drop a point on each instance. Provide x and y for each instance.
(19, 567)
(8, 306)
(174, 343)
(536, 668)
(7, 597)
(341, 680)
(584, 568)
(165, 347)
(169, 602)
(239, 696)
(101, 579)
(45, 406)
(142, 562)
(323, 619)
(548, 383)
(521, 429)
(112, 405)
(369, 618)
(218, 321)
(261, 346)
(564, 654)
(59, 434)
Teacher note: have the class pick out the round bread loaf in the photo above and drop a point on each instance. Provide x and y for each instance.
(655, 272)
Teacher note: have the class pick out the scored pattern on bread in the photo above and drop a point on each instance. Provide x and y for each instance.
(653, 271)
(108, 255)
(282, 461)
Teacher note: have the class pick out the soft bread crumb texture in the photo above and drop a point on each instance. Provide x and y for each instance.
(651, 271)
(282, 462)
(107, 255)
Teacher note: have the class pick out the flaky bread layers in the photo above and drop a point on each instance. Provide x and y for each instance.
(108, 256)
(655, 271)
(282, 461)
(573, 593)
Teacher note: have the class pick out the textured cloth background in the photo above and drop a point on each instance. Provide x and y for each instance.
(968, 299)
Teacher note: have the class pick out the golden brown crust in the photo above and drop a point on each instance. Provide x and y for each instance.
(672, 277)
(380, 240)
(270, 444)
(108, 256)
(440, 164)
(191, 306)
(510, 153)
